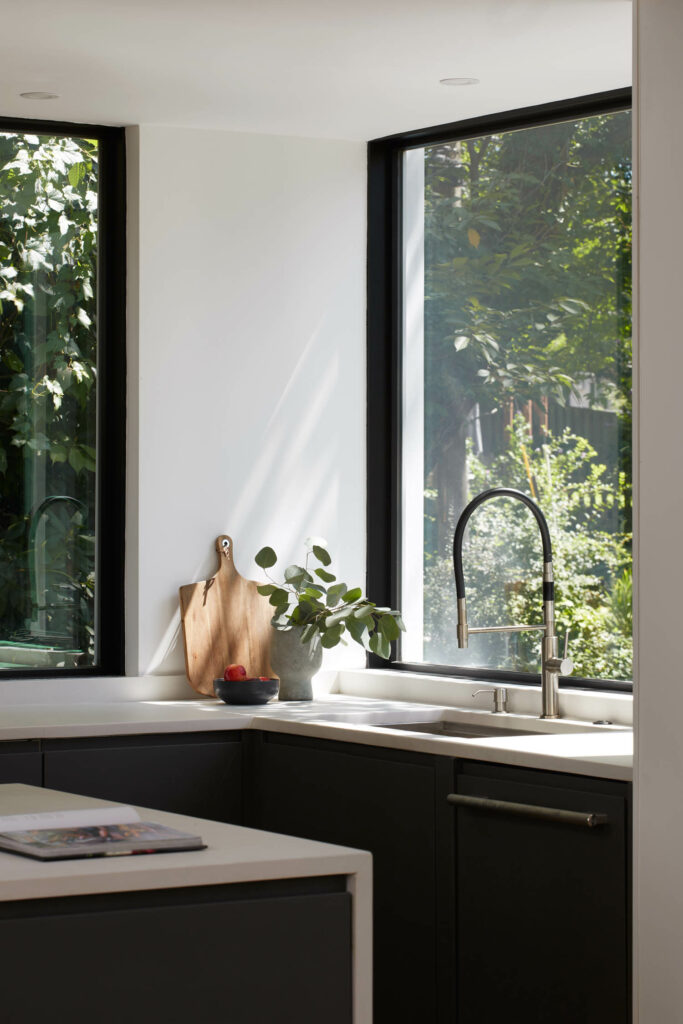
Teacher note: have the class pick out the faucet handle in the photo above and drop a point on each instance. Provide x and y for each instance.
(500, 696)
(564, 666)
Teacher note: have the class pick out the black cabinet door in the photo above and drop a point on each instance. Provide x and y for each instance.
(21, 762)
(270, 953)
(194, 773)
(371, 799)
(542, 921)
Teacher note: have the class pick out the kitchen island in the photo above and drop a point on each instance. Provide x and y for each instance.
(256, 927)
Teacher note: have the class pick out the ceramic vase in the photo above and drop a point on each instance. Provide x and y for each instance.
(295, 663)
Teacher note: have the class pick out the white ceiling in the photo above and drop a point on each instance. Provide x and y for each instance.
(323, 68)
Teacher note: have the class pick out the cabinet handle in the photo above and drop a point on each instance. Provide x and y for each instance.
(587, 819)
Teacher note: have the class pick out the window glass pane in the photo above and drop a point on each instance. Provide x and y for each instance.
(517, 372)
(48, 369)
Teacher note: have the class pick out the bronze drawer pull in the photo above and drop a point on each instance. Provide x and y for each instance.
(587, 819)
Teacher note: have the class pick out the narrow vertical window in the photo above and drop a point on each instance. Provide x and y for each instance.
(51, 386)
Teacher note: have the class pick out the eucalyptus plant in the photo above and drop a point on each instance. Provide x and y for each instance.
(313, 600)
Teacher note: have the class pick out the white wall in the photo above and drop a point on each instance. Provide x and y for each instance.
(247, 363)
(659, 578)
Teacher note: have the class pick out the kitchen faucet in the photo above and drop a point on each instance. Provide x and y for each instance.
(552, 667)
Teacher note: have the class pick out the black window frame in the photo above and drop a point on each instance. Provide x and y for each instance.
(384, 356)
(111, 396)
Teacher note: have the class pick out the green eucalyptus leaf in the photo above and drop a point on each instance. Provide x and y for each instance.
(265, 558)
(303, 611)
(389, 628)
(294, 574)
(358, 630)
(266, 589)
(332, 620)
(364, 611)
(324, 575)
(321, 554)
(380, 645)
(352, 595)
(331, 637)
(335, 594)
(279, 597)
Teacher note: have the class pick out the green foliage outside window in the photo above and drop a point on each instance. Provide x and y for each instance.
(48, 374)
(503, 560)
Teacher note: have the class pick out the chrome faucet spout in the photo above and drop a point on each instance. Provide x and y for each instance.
(551, 664)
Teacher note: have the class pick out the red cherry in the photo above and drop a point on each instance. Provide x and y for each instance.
(235, 672)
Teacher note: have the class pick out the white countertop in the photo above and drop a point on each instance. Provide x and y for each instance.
(233, 854)
(585, 750)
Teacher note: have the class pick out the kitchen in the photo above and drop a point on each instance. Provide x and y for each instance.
(301, 244)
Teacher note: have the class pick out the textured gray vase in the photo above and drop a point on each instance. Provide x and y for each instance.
(295, 663)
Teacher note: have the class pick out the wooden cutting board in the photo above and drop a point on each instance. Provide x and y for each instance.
(225, 621)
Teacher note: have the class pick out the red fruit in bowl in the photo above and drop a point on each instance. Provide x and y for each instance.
(235, 672)
(264, 679)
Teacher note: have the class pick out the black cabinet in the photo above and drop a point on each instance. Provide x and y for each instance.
(258, 953)
(21, 762)
(372, 799)
(542, 925)
(199, 774)
(480, 916)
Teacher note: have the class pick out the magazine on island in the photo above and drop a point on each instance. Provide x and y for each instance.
(89, 837)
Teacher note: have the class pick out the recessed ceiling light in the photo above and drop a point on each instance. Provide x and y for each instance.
(39, 95)
(459, 81)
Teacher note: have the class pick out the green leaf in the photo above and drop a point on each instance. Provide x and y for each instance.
(266, 589)
(265, 558)
(76, 459)
(331, 637)
(335, 594)
(389, 628)
(336, 617)
(358, 631)
(295, 574)
(380, 645)
(279, 598)
(76, 174)
(365, 611)
(303, 611)
(352, 595)
(324, 575)
(321, 554)
(12, 360)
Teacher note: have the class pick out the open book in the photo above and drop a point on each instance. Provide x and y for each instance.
(98, 832)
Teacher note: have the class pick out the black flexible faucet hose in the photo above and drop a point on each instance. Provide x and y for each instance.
(499, 492)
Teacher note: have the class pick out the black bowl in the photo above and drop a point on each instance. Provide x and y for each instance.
(246, 691)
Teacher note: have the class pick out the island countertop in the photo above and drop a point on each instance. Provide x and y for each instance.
(233, 855)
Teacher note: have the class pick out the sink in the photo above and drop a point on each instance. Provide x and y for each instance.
(442, 728)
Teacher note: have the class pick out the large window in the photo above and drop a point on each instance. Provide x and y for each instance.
(507, 328)
(61, 398)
